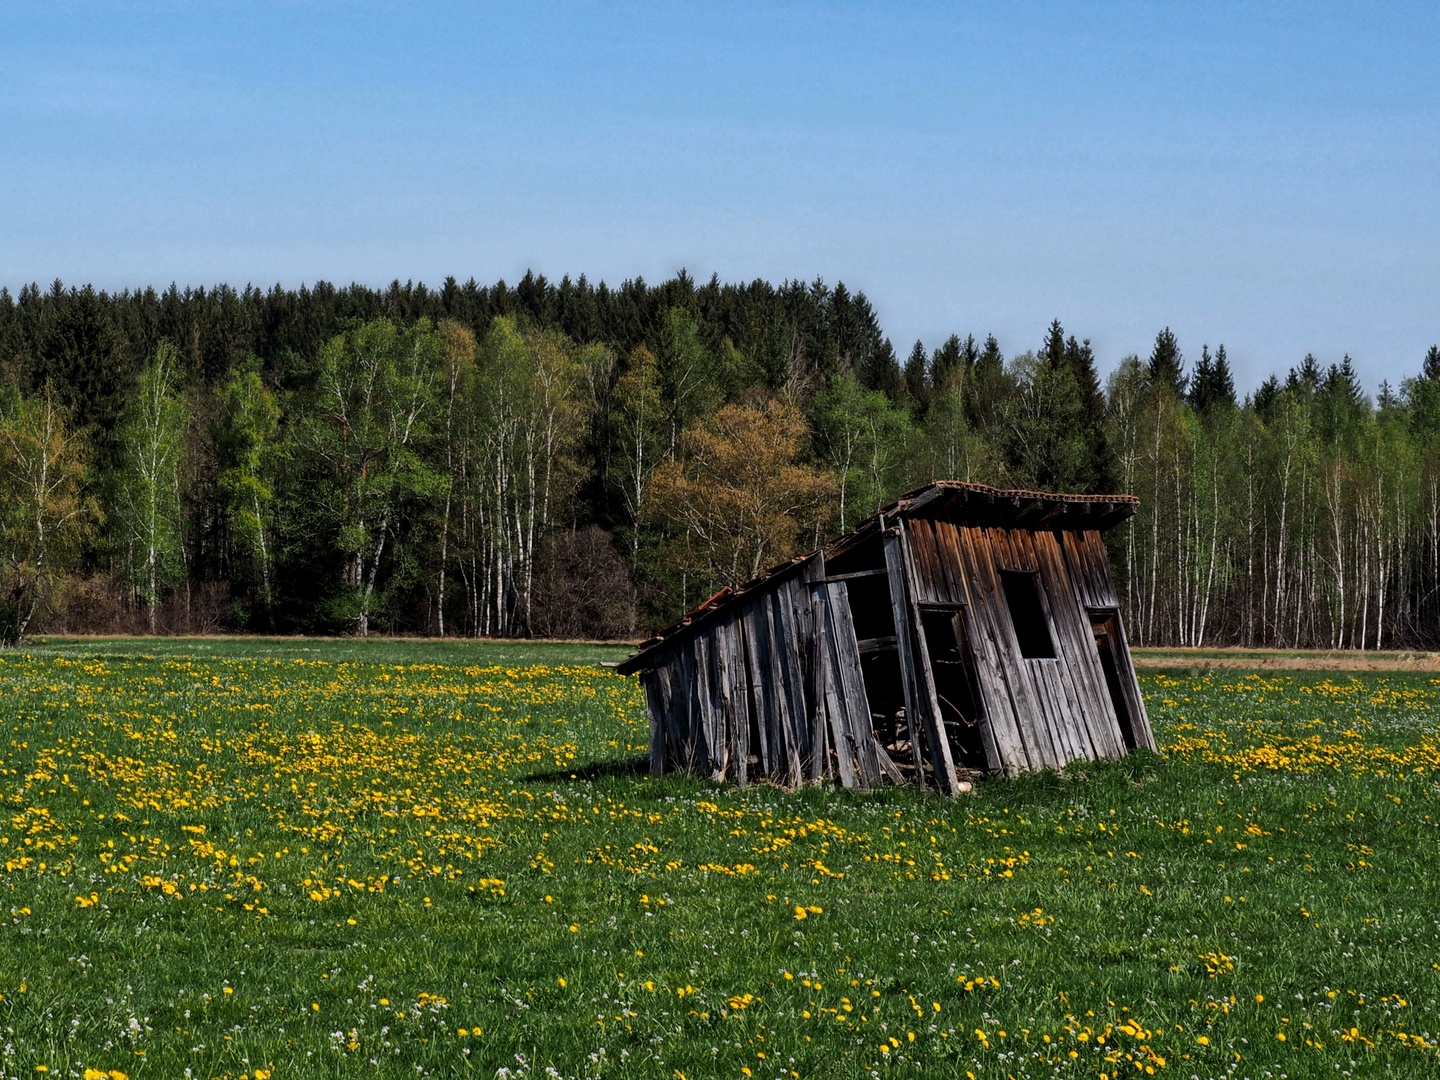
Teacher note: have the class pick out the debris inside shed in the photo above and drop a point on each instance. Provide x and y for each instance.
(962, 630)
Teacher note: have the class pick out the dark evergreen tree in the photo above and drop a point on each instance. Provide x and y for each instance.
(1167, 365)
(953, 359)
(1264, 398)
(1211, 384)
(987, 388)
(1432, 363)
(917, 379)
(881, 371)
(1080, 359)
(1305, 379)
(1053, 351)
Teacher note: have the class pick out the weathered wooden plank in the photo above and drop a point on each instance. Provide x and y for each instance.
(781, 729)
(888, 768)
(1077, 645)
(818, 763)
(982, 591)
(789, 719)
(852, 686)
(669, 671)
(736, 693)
(989, 696)
(793, 605)
(1029, 715)
(739, 677)
(952, 577)
(895, 563)
(1090, 564)
(835, 707)
(1044, 696)
(1090, 567)
(1102, 587)
(721, 707)
(909, 628)
(1130, 686)
(845, 577)
(656, 710)
(702, 710)
(1069, 710)
(928, 573)
(964, 630)
(757, 659)
(692, 753)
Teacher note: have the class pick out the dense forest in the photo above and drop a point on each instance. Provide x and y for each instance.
(573, 460)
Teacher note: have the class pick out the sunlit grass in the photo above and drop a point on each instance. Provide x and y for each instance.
(239, 859)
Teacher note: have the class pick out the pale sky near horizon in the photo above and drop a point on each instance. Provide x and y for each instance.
(1263, 175)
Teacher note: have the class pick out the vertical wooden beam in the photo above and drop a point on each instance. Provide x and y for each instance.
(835, 706)
(740, 682)
(860, 732)
(943, 763)
(818, 763)
(655, 706)
(922, 709)
(899, 607)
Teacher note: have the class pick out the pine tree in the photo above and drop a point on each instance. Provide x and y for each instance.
(1167, 365)
(917, 379)
(1053, 351)
(881, 371)
(1305, 378)
(1211, 385)
(1432, 363)
(1080, 359)
(985, 392)
(1224, 381)
(952, 360)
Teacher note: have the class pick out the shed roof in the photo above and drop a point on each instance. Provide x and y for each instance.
(953, 500)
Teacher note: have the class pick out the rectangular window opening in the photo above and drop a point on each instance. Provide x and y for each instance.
(1032, 631)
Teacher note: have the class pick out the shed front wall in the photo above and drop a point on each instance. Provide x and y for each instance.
(1041, 713)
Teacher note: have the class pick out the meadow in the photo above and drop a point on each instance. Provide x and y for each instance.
(249, 859)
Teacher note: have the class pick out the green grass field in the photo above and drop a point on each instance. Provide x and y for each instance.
(246, 858)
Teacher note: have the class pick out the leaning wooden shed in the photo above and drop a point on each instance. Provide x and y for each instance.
(963, 629)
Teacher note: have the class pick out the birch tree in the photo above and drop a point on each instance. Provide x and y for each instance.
(371, 410)
(246, 448)
(152, 438)
(44, 509)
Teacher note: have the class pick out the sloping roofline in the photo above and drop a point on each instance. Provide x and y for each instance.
(955, 500)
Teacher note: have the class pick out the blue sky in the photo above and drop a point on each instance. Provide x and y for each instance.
(1266, 175)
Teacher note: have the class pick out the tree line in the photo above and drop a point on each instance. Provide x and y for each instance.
(566, 459)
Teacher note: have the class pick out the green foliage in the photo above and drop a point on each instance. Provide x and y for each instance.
(152, 438)
(45, 512)
(1308, 513)
(360, 432)
(1045, 430)
(246, 451)
(865, 439)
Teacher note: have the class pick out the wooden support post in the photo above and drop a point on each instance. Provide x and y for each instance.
(915, 661)
(894, 564)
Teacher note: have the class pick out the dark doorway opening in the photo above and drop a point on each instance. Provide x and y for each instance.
(1032, 629)
(952, 668)
(1105, 625)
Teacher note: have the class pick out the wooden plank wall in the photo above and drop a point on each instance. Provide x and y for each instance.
(1089, 565)
(1042, 713)
(778, 676)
